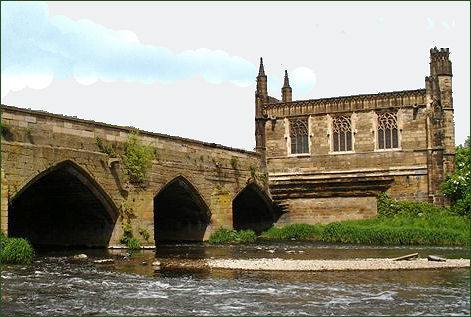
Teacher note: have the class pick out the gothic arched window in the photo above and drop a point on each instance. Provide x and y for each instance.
(388, 137)
(299, 132)
(342, 133)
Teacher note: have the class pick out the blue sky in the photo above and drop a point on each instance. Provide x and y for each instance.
(189, 69)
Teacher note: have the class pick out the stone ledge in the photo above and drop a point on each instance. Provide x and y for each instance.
(391, 171)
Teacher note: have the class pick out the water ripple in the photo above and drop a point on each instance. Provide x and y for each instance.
(56, 285)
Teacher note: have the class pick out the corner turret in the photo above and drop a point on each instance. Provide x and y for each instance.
(262, 89)
(441, 131)
(440, 63)
(261, 97)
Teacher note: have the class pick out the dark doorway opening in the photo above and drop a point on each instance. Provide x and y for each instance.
(62, 207)
(180, 214)
(252, 209)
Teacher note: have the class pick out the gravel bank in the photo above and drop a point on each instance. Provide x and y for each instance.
(334, 265)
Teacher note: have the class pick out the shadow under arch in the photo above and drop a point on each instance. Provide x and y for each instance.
(252, 209)
(62, 206)
(180, 213)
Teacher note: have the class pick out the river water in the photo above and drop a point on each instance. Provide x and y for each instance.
(57, 284)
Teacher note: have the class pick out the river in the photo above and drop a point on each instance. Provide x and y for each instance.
(56, 284)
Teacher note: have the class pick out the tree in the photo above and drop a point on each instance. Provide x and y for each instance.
(457, 186)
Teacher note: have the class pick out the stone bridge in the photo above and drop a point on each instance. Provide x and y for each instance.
(64, 183)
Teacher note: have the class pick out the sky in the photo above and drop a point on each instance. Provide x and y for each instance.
(188, 68)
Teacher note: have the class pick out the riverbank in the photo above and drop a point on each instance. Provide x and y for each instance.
(398, 223)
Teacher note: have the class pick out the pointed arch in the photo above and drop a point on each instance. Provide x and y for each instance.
(180, 212)
(62, 206)
(252, 209)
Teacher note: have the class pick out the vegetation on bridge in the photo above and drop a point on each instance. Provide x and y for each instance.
(128, 238)
(15, 250)
(137, 159)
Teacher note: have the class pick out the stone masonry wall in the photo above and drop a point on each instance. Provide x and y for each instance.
(403, 169)
(408, 165)
(34, 141)
(326, 210)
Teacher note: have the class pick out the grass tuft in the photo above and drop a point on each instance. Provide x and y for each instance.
(133, 244)
(398, 223)
(128, 238)
(299, 231)
(15, 251)
(227, 236)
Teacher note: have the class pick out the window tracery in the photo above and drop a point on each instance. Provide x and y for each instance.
(388, 137)
(299, 135)
(342, 133)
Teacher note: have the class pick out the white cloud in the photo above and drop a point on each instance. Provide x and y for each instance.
(18, 82)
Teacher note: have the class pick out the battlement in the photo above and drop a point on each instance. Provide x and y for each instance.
(434, 52)
(366, 102)
(440, 63)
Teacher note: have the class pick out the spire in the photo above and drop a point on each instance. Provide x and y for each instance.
(286, 91)
(261, 70)
(286, 84)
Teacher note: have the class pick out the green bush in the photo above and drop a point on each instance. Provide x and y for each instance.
(127, 233)
(133, 244)
(137, 159)
(15, 251)
(299, 231)
(381, 234)
(398, 223)
(246, 236)
(222, 236)
(388, 207)
(457, 186)
(227, 236)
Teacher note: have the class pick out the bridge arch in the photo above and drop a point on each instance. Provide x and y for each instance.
(62, 206)
(180, 212)
(252, 209)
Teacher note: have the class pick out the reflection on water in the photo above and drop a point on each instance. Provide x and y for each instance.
(301, 250)
(56, 284)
